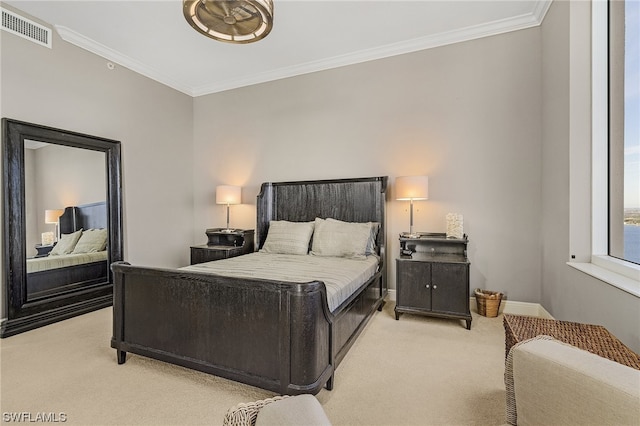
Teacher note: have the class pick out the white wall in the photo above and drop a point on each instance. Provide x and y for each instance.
(567, 293)
(68, 176)
(56, 177)
(72, 89)
(467, 115)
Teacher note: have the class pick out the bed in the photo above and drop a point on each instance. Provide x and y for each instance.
(53, 274)
(277, 334)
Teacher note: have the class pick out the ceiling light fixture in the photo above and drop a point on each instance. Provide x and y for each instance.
(243, 21)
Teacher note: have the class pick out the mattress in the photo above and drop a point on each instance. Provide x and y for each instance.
(53, 262)
(341, 276)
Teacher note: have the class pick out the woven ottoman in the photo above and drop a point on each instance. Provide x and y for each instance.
(593, 338)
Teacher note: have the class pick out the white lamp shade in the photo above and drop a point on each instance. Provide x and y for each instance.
(51, 216)
(412, 188)
(228, 194)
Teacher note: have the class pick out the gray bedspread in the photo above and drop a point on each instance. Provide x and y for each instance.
(341, 276)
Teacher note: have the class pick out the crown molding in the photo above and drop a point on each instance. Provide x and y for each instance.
(532, 19)
(540, 9)
(465, 34)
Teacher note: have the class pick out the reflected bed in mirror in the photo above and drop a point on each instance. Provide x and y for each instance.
(51, 276)
(78, 260)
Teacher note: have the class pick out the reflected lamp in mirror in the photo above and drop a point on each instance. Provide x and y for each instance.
(52, 217)
(228, 194)
(412, 188)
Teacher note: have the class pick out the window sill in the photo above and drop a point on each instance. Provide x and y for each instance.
(612, 271)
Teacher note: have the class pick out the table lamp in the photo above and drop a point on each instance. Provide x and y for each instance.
(228, 194)
(411, 188)
(51, 217)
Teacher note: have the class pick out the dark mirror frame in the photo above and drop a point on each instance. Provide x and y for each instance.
(21, 314)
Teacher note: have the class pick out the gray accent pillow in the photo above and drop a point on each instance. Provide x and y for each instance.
(286, 237)
(371, 244)
(91, 241)
(66, 243)
(335, 238)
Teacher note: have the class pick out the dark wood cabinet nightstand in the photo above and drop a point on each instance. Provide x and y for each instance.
(223, 244)
(434, 279)
(42, 250)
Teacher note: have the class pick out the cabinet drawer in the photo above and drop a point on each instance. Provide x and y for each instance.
(202, 255)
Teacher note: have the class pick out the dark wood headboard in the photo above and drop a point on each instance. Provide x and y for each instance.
(349, 200)
(86, 216)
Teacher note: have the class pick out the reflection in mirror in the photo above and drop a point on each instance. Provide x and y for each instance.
(61, 200)
(65, 192)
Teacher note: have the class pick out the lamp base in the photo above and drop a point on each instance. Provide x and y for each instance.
(227, 230)
(410, 235)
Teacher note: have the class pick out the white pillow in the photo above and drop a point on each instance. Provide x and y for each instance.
(286, 237)
(66, 243)
(371, 244)
(91, 241)
(334, 238)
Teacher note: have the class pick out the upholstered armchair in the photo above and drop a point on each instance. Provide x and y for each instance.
(549, 382)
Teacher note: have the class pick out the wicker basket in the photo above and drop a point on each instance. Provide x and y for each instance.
(488, 302)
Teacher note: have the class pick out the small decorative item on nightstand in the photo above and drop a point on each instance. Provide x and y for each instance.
(223, 244)
(454, 225)
(47, 238)
(434, 279)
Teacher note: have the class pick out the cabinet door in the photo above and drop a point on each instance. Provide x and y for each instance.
(414, 284)
(450, 288)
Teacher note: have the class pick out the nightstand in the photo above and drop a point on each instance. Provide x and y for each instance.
(223, 244)
(434, 279)
(43, 251)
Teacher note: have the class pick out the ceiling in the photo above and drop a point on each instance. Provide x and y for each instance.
(153, 38)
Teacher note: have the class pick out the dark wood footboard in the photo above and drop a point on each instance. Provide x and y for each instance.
(59, 280)
(274, 335)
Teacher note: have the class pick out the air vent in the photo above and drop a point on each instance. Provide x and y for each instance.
(26, 28)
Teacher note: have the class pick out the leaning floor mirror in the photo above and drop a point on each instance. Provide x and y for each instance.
(62, 224)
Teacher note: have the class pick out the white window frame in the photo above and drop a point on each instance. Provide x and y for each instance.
(619, 273)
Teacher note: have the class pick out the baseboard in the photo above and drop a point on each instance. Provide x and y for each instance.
(520, 308)
(507, 306)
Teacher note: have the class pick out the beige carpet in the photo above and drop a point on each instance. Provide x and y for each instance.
(416, 371)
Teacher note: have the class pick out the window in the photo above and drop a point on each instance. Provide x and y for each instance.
(614, 154)
(624, 130)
